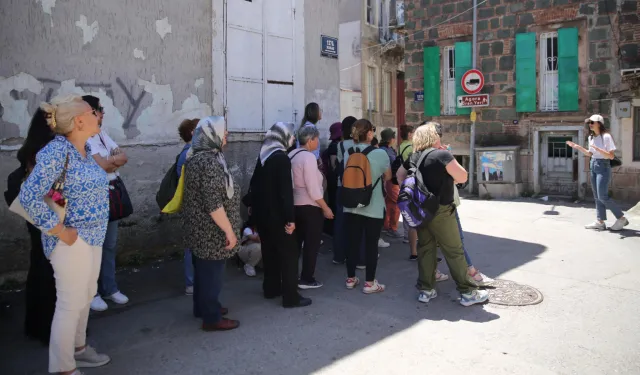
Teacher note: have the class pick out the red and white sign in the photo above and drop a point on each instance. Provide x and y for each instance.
(472, 81)
(469, 101)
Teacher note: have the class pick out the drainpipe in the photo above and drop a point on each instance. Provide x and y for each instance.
(472, 141)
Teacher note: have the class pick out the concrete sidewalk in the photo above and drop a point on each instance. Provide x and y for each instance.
(587, 323)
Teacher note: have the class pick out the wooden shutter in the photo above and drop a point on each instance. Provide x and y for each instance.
(526, 72)
(463, 64)
(431, 76)
(568, 69)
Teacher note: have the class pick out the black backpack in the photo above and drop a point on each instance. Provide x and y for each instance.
(340, 166)
(168, 186)
(397, 163)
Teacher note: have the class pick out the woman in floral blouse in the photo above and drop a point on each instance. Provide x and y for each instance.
(211, 218)
(72, 245)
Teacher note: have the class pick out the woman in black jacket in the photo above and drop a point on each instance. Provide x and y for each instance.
(41, 286)
(272, 207)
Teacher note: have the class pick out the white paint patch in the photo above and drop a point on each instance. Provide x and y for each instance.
(88, 31)
(163, 27)
(199, 82)
(47, 5)
(159, 120)
(139, 54)
(15, 110)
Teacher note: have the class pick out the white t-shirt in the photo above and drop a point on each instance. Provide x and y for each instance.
(103, 145)
(604, 141)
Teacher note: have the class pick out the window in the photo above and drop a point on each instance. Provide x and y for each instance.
(386, 99)
(449, 81)
(371, 88)
(636, 134)
(370, 12)
(549, 72)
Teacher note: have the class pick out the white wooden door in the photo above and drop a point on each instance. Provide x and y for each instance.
(559, 164)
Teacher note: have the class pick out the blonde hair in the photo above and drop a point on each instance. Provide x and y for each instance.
(62, 110)
(425, 136)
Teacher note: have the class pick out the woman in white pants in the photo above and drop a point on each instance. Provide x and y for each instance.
(72, 244)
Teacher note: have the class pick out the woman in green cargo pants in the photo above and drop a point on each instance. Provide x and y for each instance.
(440, 171)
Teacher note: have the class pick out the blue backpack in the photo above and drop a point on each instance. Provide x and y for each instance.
(417, 204)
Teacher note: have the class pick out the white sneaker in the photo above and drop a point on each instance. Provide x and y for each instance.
(427, 295)
(88, 357)
(188, 290)
(479, 279)
(352, 282)
(596, 225)
(374, 287)
(249, 270)
(441, 276)
(619, 224)
(119, 298)
(476, 296)
(98, 304)
(382, 243)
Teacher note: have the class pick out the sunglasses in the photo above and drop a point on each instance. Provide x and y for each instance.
(593, 122)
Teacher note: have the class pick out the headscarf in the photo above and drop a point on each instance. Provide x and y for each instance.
(208, 137)
(278, 138)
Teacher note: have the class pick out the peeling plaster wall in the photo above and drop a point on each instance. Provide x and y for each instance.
(148, 62)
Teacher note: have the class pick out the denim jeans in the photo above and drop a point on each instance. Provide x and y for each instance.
(466, 254)
(107, 285)
(600, 178)
(188, 268)
(209, 277)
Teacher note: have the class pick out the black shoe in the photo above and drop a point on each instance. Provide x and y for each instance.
(303, 302)
(413, 257)
(439, 260)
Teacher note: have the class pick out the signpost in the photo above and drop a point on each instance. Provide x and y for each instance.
(470, 101)
(472, 81)
(329, 47)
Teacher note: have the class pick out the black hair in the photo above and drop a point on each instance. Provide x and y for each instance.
(347, 126)
(405, 130)
(311, 114)
(374, 142)
(92, 101)
(603, 130)
(38, 135)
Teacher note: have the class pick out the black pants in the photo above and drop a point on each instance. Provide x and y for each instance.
(40, 291)
(280, 259)
(309, 221)
(355, 227)
(208, 281)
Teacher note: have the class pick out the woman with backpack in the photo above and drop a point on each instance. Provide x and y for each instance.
(601, 150)
(366, 169)
(437, 170)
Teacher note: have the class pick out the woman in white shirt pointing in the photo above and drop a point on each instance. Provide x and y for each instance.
(601, 149)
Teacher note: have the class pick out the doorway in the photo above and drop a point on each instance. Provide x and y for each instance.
(558, 164)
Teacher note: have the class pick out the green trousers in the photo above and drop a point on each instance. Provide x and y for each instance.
(442, 231)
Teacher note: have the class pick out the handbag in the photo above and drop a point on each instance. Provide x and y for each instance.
(54, 198)
(175, 204)
(615, 162)
(120, 205)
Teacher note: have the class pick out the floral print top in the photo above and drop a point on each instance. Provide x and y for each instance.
(85, 188)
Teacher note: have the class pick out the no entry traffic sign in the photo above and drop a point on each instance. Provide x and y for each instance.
(472, 81)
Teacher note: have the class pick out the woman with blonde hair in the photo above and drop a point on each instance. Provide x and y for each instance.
(66, 172)
(439, 170)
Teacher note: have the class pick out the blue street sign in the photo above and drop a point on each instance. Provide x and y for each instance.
(418, 96)
(329, 47)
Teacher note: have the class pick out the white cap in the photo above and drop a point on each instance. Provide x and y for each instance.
(595, 118)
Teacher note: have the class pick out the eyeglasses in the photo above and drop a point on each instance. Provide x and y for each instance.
(101, 110)
(592, 122)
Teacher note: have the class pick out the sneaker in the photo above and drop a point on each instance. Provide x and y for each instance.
(619, 224)
(119, 298)
(249, 270)
(223, 325)
(88, 358)
(441, 276)
(395, 234)
(405, 240)
(479, 279)
(315, 284)
(475, 297)
(361, 267)
(427, 295)
(188, 290)
(338, 262)
(596, 225)
(382, 243)
(352, 282)
(77, 372)
(374, 287)
(98, 304)
(413, 257)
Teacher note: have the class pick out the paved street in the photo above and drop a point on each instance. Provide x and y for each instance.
(587, 323)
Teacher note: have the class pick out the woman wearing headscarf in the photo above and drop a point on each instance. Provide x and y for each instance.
(272, 207)
(211, 219)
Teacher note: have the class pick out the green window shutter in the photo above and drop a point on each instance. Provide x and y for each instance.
(432, 81)
(568, 69)
(526, 72)
(463, 64)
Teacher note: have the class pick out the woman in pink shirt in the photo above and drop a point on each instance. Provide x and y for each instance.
(310, 207)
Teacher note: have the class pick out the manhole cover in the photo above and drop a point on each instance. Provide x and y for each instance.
(509, 293)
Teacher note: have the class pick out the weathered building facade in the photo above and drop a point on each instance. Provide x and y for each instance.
(153, 64)
(548, 65)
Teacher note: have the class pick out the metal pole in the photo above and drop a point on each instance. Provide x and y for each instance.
(472, 140)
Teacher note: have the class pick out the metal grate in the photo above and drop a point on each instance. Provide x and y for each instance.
(549, 72)
(449, 81)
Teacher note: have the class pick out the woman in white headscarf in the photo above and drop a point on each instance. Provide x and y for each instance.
(211, 218)
(272, 208)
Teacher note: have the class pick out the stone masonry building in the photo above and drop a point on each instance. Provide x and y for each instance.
(548, 65)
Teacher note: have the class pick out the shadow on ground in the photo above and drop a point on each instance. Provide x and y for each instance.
(156, 333)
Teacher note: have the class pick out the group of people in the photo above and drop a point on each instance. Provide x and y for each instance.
(67, 160)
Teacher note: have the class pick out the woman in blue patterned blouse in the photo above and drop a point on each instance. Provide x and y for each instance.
(73, 245)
